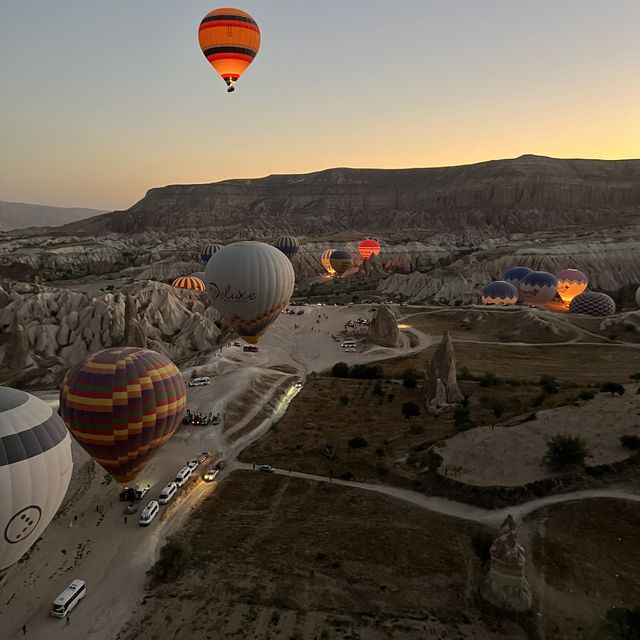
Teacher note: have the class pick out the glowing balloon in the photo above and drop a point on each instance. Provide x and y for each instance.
(249, 284)
(571, 283)
(499, 292)
(121, 405)
(35, 469)
(208, 250)
(341, 261)
(189, 282)
(593, 303)
(538, 288)
(367, 248)
(326, 262)
(230, 40)
(288, 245)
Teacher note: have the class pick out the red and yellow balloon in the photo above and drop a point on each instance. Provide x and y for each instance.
(230, 40)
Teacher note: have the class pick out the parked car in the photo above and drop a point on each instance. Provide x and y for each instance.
(205, 455)
(183, 476)
(301, 312)
(267, 468)
(192, 464)
(210, 475)
(132, 494)
(298, 385)
(250, 348)
(350, 350)
(168, 492)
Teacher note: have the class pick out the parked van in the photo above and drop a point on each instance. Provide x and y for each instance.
(68, 599)
(183, 475)
(199, 382)
(167, 493)
(149, 513)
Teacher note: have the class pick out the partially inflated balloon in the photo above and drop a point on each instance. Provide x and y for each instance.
(499, 292)
(249, 284)
(367, 248)
(122, 405)
(288, 245)
(189, 282)
(230, 40)
(35, 469)
(515, 275)
(341, 261)
(571, 283)
(326, 261)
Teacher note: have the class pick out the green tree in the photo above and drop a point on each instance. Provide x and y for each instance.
(566, 452)
(462, 418)
(587, 394)
(410, 410)
(410, 378)
(344, 400)
(612, 387)
(549, 384)
(341, 370)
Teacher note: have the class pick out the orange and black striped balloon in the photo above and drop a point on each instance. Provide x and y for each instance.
(189, 282)
(230, 40)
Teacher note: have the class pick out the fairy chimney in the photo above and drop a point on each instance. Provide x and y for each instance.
(442, 370)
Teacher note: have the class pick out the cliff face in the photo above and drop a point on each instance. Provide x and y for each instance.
(525, 194)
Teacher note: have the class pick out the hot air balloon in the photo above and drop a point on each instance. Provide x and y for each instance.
(515, 276)
(35, 469)
(499, 292)
(367, 248)
(188, 282)
(341, 261)
(121, 405)
(326, 262)
(249, 284)
(208, 250)
(593, 303)
(538, 288)
(571, 283)
(230, 40)
(288, 245)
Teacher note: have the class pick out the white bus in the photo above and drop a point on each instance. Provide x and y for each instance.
(199, 382)
(68, 599)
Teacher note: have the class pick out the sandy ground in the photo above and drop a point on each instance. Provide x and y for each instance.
(113, 556)
(513, 455)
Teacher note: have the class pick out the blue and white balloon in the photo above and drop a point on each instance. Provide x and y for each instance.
(538, 288)
(499, 292)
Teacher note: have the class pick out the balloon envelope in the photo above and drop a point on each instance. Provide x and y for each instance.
(122, 405)
(208, 250)
(230, 40)
(197, 274)
(499, 292)
(249, 284)
(538, 288)
(367, 248)
(571, 283)
(326, 262)
(341, 261)
(35, 469)
(288, 245)
(189, 282)
(515, 276)
(593, 303)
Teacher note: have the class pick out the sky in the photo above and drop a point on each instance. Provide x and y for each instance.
(101, 101)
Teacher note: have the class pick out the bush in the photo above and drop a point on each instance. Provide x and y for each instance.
(344, 400)
(381, 470)
(625, 621)
(481, 544)
(410, 378)
(357, 443)
(538, 400)
(390, 397)
(612, 387)
(174, 559)
(380, 452)
(410, 410)
(566, 452)
(630, 442)
(462, 418)
(635, 376)
(489, 379)
(341, 370)
(377, 390)
(367, 371)
(587, 394)
(549, 384)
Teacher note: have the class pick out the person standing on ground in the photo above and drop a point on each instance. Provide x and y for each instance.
(125, 519)
(68, 622)
(24, 629)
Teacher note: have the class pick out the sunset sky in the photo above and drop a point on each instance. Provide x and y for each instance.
(104, 100)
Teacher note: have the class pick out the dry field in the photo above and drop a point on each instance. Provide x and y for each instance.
(284, 558)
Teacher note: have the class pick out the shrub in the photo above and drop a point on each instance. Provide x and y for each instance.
(410, 378)
(377, 390)
(566, 452)
(344, 400)
(612, 387)
(481, 542)
(380, 452)
(630, 442)
(549, 384)
(587, 394)
(489, 379)
(347, 475)
(390, 397)
(635, 376)
(381, 470)
(358, 442)
(174, 559)
(341, 370)
(625, 621)
(462, 418)
(538, 400)
(367, 371)
(410, 409)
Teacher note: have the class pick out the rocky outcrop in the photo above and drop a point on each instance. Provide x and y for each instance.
(133, 335)
(506, 586)
(441, 370)
(16, 355)
(384, 330)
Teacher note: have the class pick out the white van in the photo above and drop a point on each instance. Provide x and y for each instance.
(68, 599)
(183, 475)
(348, 343)
(168, 492)
(199, 382)
(149, 513)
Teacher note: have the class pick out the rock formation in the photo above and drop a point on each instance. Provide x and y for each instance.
(439, 401)
(16, 354)
(441, 371)
(506, 585)
(133, 333)
(384, 330)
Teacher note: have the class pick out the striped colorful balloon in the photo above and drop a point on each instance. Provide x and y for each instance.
(208, 250)
(121, 405)
(326, 262)
(288, 245)
(189, 282)
(230, 40)
(367, 248)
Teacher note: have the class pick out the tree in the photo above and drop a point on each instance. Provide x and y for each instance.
(566, 452)
(489, 379)
(174, 559)
(410, 409)
(612, 387)
(341, 370)
(549, 384)
(481, 542)
(462, 418)
(377, 390)
(635, 376)
(358, 442)
(630, 442)
(344, 400)
(587, 394)
(410, 378)
(497, 408)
